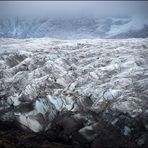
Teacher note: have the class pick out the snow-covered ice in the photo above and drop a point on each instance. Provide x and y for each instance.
(53, 75)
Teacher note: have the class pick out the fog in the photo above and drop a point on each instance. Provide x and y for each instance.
(73, 8)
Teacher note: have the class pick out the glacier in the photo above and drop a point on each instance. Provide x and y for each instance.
(81, 85)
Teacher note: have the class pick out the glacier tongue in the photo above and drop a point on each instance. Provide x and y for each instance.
(39, 78)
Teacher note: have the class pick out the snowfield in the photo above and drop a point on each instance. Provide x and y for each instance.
(108, 78)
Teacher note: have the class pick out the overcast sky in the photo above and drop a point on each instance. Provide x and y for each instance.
(73, 8)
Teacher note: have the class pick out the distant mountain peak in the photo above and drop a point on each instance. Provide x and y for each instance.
(74, 28)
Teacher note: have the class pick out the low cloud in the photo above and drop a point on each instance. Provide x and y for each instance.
(73, 8)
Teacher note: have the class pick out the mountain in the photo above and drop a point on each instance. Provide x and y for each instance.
(74, 28)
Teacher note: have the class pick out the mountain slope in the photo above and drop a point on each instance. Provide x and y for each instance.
(74, 28)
